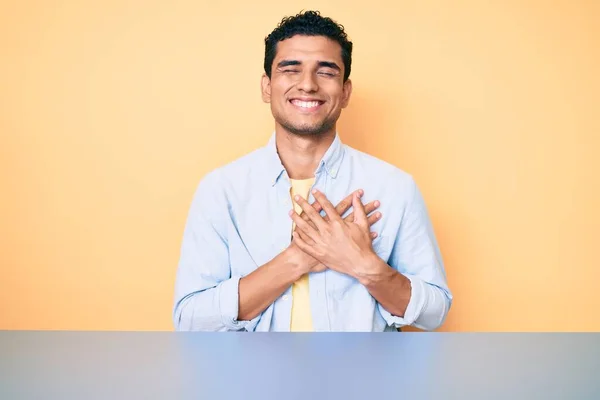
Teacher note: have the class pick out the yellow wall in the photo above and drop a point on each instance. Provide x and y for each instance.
(111, 112)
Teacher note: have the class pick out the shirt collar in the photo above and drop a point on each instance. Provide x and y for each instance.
(330, 162)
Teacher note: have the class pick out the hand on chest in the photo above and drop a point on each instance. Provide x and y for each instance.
(260, 228)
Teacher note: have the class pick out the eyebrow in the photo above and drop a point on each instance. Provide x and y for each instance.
(327, 64)
(287, 63)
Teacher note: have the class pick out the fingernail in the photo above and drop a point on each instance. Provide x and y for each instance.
(360, 192)
(291, 212)
(314, 191)
(296, 197)
(377, 204)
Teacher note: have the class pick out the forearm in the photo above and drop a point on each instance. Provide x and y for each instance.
(403, 300)
(234, 302)
(390, 288)
(259, 289)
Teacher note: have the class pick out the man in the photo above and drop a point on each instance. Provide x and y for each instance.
(265, 249)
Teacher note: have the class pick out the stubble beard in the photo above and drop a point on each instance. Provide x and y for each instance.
(316, 129)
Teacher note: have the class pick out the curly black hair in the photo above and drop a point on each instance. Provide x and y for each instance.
(309, 23)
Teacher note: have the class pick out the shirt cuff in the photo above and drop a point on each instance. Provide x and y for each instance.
(414, 308)
(229, 298)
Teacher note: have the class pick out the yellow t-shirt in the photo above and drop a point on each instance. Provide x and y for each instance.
(301, 318)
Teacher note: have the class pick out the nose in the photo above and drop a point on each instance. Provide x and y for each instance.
(308, 82)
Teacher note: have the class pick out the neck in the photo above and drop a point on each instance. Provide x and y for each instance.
(300, 155)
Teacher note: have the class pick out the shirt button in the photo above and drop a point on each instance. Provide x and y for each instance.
(285, 297)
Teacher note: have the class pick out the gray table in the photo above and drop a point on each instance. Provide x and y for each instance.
(169, 365)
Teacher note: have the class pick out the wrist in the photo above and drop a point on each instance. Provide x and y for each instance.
(370, 270)
(295, 262)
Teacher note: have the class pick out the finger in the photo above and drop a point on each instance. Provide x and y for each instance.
(327, 206)
(310, 211)
(341, 207)
(305, 237)
(308, 222)
(305, 247)
(372, 206)
(373, 236)
(371, 219)
(360, 217)
(369, 208)
(317, 208)
(304, 226)
(346, 203)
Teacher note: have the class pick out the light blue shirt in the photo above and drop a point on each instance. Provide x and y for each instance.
(239, 221)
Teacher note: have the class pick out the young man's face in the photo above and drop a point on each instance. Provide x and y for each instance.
(307, 90)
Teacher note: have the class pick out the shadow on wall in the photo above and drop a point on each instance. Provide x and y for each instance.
(377, 127)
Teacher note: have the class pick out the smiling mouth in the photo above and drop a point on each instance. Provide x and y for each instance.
(312, 105)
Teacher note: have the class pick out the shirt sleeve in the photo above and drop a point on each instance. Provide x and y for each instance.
(206, 294)
(417, 256)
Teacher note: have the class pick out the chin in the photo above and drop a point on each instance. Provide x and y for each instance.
(314, 129)
(306, 130)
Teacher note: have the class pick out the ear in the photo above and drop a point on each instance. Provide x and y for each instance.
(265, 85)
(346, 92)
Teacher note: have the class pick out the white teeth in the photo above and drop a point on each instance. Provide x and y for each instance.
(305, 104)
